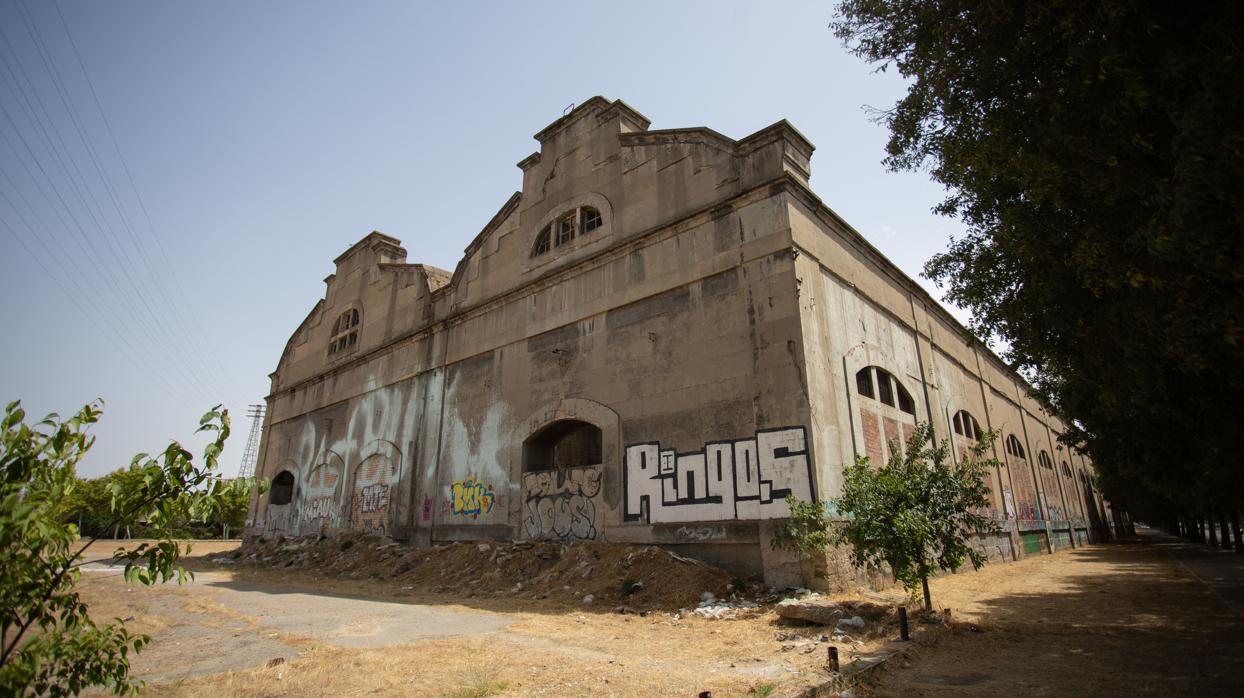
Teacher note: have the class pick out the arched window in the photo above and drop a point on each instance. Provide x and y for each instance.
(542, 241)
(345, 332)
(1044, 460)
(282, 491)
(568, 225)
(1066, 470)
(568, 443)
(1014, 448)
(879, 384)
(965, 425)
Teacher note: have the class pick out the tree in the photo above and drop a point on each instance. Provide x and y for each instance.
(234, 501)
(915, 512)
(1093, 153)
(50, 644)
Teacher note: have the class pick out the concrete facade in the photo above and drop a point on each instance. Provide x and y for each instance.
(663, 334)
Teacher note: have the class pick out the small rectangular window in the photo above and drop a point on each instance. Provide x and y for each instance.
(589, 219)
(565, 230)
(884, 388)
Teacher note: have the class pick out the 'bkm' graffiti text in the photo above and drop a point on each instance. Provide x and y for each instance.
(471, 497)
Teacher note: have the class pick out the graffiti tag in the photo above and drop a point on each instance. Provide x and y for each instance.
(558, 504)
(743, 479)
(471, 497)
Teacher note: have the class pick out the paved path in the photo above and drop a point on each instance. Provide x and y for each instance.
(1152, 616)
(217, 624)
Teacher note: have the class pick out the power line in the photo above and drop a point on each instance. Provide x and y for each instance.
(130, 178)
(68, 210)
(116, 338)
(49, 65)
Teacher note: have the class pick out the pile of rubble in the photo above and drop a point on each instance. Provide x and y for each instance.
(639, 577)
(851, 620)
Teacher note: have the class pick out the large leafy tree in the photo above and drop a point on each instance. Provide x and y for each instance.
(1093, 152)
(50, 644)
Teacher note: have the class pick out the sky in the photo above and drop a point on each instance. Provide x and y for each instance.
(176, 177)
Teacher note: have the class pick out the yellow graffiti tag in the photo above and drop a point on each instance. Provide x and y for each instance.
(472, 497)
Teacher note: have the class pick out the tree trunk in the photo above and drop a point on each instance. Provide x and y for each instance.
(1226, 532)
(928, 599)
(1235, 530)
(1213, 531)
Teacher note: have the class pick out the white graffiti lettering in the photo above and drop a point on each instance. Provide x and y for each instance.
(744, 479)
(559, 504)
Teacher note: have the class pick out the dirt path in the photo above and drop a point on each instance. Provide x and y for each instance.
(341, 636)
(1155, 616)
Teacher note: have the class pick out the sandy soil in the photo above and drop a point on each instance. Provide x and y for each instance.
(1148, 617)
(550, 642)
(1141, 618)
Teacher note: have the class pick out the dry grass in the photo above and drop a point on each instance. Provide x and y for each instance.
(556, 645)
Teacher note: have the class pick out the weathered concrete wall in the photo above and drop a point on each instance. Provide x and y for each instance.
(672, 328)
(703, 335)
(859, 311)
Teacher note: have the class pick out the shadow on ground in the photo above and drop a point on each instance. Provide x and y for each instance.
(1148, 616)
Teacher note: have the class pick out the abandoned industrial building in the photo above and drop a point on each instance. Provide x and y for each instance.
(657, 340)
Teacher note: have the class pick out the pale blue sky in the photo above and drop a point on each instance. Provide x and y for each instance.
(265, 138)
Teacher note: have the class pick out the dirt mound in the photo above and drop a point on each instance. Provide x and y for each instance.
(640, 577)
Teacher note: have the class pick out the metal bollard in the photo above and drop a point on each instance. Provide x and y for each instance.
(902, 624)
(833, 659)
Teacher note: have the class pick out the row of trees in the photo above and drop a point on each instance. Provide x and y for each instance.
(1092, 150)
(87, 506)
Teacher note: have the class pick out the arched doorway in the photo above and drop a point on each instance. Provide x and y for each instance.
(280, 515)
(562, 467)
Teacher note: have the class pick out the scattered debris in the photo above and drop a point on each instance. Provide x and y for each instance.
(811, 609)
(710, 607)
(645, 577)
(854, 621)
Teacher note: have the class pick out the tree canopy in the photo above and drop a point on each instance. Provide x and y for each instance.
(916, 512)
(1093, 152)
